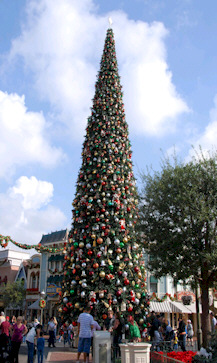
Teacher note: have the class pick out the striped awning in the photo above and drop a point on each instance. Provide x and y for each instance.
(178, 307)
(169, 306)
(192, 308)
(160, 307)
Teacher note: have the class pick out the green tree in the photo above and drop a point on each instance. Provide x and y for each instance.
(179, 221)
(13, 294)
(104, 266)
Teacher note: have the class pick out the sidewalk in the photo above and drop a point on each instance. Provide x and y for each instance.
(63, 357)
(59, 354)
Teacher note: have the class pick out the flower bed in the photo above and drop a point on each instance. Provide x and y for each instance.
(185, 357)
(182, 356)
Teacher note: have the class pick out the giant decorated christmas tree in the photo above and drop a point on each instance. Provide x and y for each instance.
(104, 264)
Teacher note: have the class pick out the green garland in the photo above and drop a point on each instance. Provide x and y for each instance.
(156, 298)
(4, 240)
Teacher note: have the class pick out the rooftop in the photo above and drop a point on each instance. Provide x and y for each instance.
(53, 237)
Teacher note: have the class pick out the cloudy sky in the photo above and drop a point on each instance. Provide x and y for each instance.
(50, 52)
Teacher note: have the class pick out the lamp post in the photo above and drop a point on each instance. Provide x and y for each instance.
(42, 306)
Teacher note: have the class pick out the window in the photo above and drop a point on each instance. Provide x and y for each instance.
(153, 284)
(33, 281)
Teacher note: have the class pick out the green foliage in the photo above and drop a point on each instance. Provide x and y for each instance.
(179, 219)
(13, 294)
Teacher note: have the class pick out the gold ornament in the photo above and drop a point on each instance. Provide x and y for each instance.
(102, 274)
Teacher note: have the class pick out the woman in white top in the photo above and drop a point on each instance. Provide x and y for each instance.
(33, 333)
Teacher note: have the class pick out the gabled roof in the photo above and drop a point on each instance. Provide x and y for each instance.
(58, 236)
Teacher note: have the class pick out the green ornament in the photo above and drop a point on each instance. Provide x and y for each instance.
(76, 244)
(136, 286)
(121, 244)
(72, 292)
(111, 267)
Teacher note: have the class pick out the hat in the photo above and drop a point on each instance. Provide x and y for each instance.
(189, 321)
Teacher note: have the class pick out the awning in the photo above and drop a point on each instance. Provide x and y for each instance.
(169, 306)
(178, 307)
(34, 306)
(192, 308)
(160, 307)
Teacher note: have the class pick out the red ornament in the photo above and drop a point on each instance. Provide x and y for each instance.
(95, 265)
(126, 282)
(130, 309)
(118, 293)
(136, 269)
(91, 273)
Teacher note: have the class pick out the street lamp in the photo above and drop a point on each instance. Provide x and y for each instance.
(42, 304)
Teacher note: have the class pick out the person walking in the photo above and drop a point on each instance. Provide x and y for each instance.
(4, 337)
(51, 330)
(17, 330)
(190, 333)
(182, 334)
(85, 326)
(40, 347)
(33, 333)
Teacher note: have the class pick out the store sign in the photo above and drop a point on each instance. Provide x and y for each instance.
(185, 293)
(53, 290)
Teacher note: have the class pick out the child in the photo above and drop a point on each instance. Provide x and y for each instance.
(40, 347)
(175, 346)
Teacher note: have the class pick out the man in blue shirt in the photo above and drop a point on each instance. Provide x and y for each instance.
(85, 326)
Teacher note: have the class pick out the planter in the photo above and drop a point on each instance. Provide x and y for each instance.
(135, 352)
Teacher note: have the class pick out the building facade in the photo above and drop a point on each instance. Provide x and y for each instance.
(51, 270)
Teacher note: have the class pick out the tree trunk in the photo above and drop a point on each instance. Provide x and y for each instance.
(205, 312)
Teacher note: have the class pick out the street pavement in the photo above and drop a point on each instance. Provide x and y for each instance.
(59, 354)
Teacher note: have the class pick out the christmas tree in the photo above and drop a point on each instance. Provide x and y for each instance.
(104, 264)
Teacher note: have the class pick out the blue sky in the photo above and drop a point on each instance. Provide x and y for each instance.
(50, 53)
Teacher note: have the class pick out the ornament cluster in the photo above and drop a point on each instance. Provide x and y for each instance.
(104, 264)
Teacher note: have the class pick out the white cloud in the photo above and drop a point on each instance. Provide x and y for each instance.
(24, 136)
(33, 193)
(206, 140)
(62, 42)
(25, 219)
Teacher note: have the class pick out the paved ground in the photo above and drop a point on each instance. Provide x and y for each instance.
(60, 354)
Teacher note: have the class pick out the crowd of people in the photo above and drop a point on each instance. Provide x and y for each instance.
(157, 331)
(163, 335)
(13, 332)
